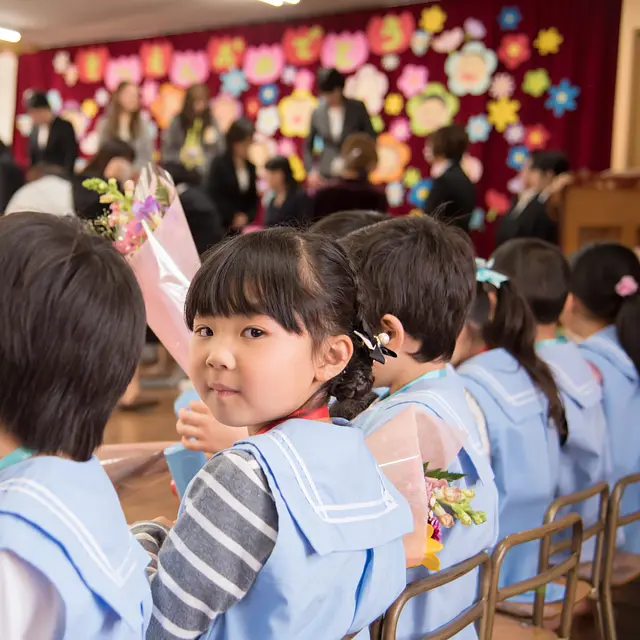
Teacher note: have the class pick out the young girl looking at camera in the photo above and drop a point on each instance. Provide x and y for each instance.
(294, 532)
(603, 308)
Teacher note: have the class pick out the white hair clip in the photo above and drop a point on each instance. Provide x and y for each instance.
(377, 345)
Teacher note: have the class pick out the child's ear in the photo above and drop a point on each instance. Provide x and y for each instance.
(333, 358)
(392, 326)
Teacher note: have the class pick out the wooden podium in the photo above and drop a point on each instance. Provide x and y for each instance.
(600, 207)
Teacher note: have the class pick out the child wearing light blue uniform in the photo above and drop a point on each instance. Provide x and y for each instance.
(523, 411)
(72, 326)
(294, 532)
(542, 275)
(419, 277)
(603, 309)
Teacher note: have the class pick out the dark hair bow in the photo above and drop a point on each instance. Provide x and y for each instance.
(377, 345)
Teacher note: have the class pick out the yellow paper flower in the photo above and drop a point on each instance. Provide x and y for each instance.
(411, 177)
(503, 112)
(431, 560)
(548, 41)
(433, 19)
(297, 168)
(89, 108)
(393, 104)
(377, 123)
(416, 213)
(536, 82)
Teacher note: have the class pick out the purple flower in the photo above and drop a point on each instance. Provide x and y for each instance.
(435, 523)
(144, 210)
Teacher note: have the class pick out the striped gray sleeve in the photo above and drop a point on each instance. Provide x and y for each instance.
(224, 535)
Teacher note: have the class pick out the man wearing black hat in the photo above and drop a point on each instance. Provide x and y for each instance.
(52, 140)
(333, 122)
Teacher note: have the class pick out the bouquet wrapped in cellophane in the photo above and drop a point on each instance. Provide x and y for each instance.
(147, 224)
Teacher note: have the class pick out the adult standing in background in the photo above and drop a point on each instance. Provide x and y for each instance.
(231, 182)
(52, 141)
(192, 138)
(453, 195)
(124, 121)
(289, 204)
(11, 176)
(332, 123)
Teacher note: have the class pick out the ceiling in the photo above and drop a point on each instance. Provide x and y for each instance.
(52, 23)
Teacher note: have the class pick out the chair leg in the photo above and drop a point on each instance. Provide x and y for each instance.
(609, 618)
(599, 616)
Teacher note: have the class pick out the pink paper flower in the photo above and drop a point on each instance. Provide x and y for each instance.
(448, 41)
(287, 147)
(122, 69)
(502, 86)
(627, 286)
(149, 92)
(345, 51)
(413, 80)
(189, 67)
(263, 64)
(304, 80)
(400, 129)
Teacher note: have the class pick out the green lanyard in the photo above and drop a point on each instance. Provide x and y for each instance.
(19, 455)
(431, 375)
(551, 342)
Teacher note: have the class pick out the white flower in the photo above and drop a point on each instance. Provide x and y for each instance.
(502, 86)
(395, 193)
(289, 75)
(514, 134)
(390, 62)
(268, 121)
(71, 75)
(61, 62)
(24, 124)
(89, 145)
(369, 85)
(420, 41)
(102, 97)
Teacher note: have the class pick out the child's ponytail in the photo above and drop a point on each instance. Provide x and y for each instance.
(628, 326)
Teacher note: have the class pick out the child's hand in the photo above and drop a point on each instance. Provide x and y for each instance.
(200, 431)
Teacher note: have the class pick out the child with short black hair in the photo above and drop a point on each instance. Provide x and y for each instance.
(341, 224)
(419, 277)
(523, 411)
(294, 532)
(72, 326)
(542, 274)
(603, 308)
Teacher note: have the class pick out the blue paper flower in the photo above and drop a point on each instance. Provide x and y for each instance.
(509, 18)
(517, 157)
(268, 94)
(420, 192)
(562, 98)
(476, 223)
(318, 145)
(478, 128)
(234, 82)
(395, 194)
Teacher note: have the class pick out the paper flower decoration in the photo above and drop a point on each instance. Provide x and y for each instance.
(377, 123)
(268, 121)
(234, 82)
(420, 192)
(390, 62)
(503, 112)
(288, 76)
(503, 86)
(302, 45)
(318, 145)
(395, 194)
(548, 41)
(420, 41)
(412, 176)
(472, 167)
(475, 29)
(91, 64)
(412, 80)
(156, 59)
(304, 80)
(251, 107)
(514, 134)
(448, 41)
(496, 201)
(102, 97)
(509, 18)
(432, 109)
(149, 92)
(268, 94)
(517, 157)
(71, 75)
(478, 128)
(390, 33)
(536, 137)
(90, 143)
(470, 69)
(476, 222)
(515, 184)
(345, 51)
(287, 147)
(393, 104)
(167, 105)
(24, 124)
(393, 157)
(562, 98)
(225, 110)
(369, 85)
(400, 129)
(61, 62)
(89, 108)
(188, 68)
(297, 168)
(55, 100)
(536, 82)
(433, 19)
(123, 69)
(295, 114)
(225, 53)
(514, 50)
(263, 64)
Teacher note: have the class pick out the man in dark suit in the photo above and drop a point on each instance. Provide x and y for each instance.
(333, 122)
(52, 140)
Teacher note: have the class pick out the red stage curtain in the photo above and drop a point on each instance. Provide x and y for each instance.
(375, 48)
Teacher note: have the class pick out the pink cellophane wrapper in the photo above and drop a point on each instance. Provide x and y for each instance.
(164, 266)
(401, 447)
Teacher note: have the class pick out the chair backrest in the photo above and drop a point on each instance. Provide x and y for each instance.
(614, 522)
(546, 574)
(478, 612)
(598, 529)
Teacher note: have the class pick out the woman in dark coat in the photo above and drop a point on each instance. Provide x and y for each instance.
(289, 204)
